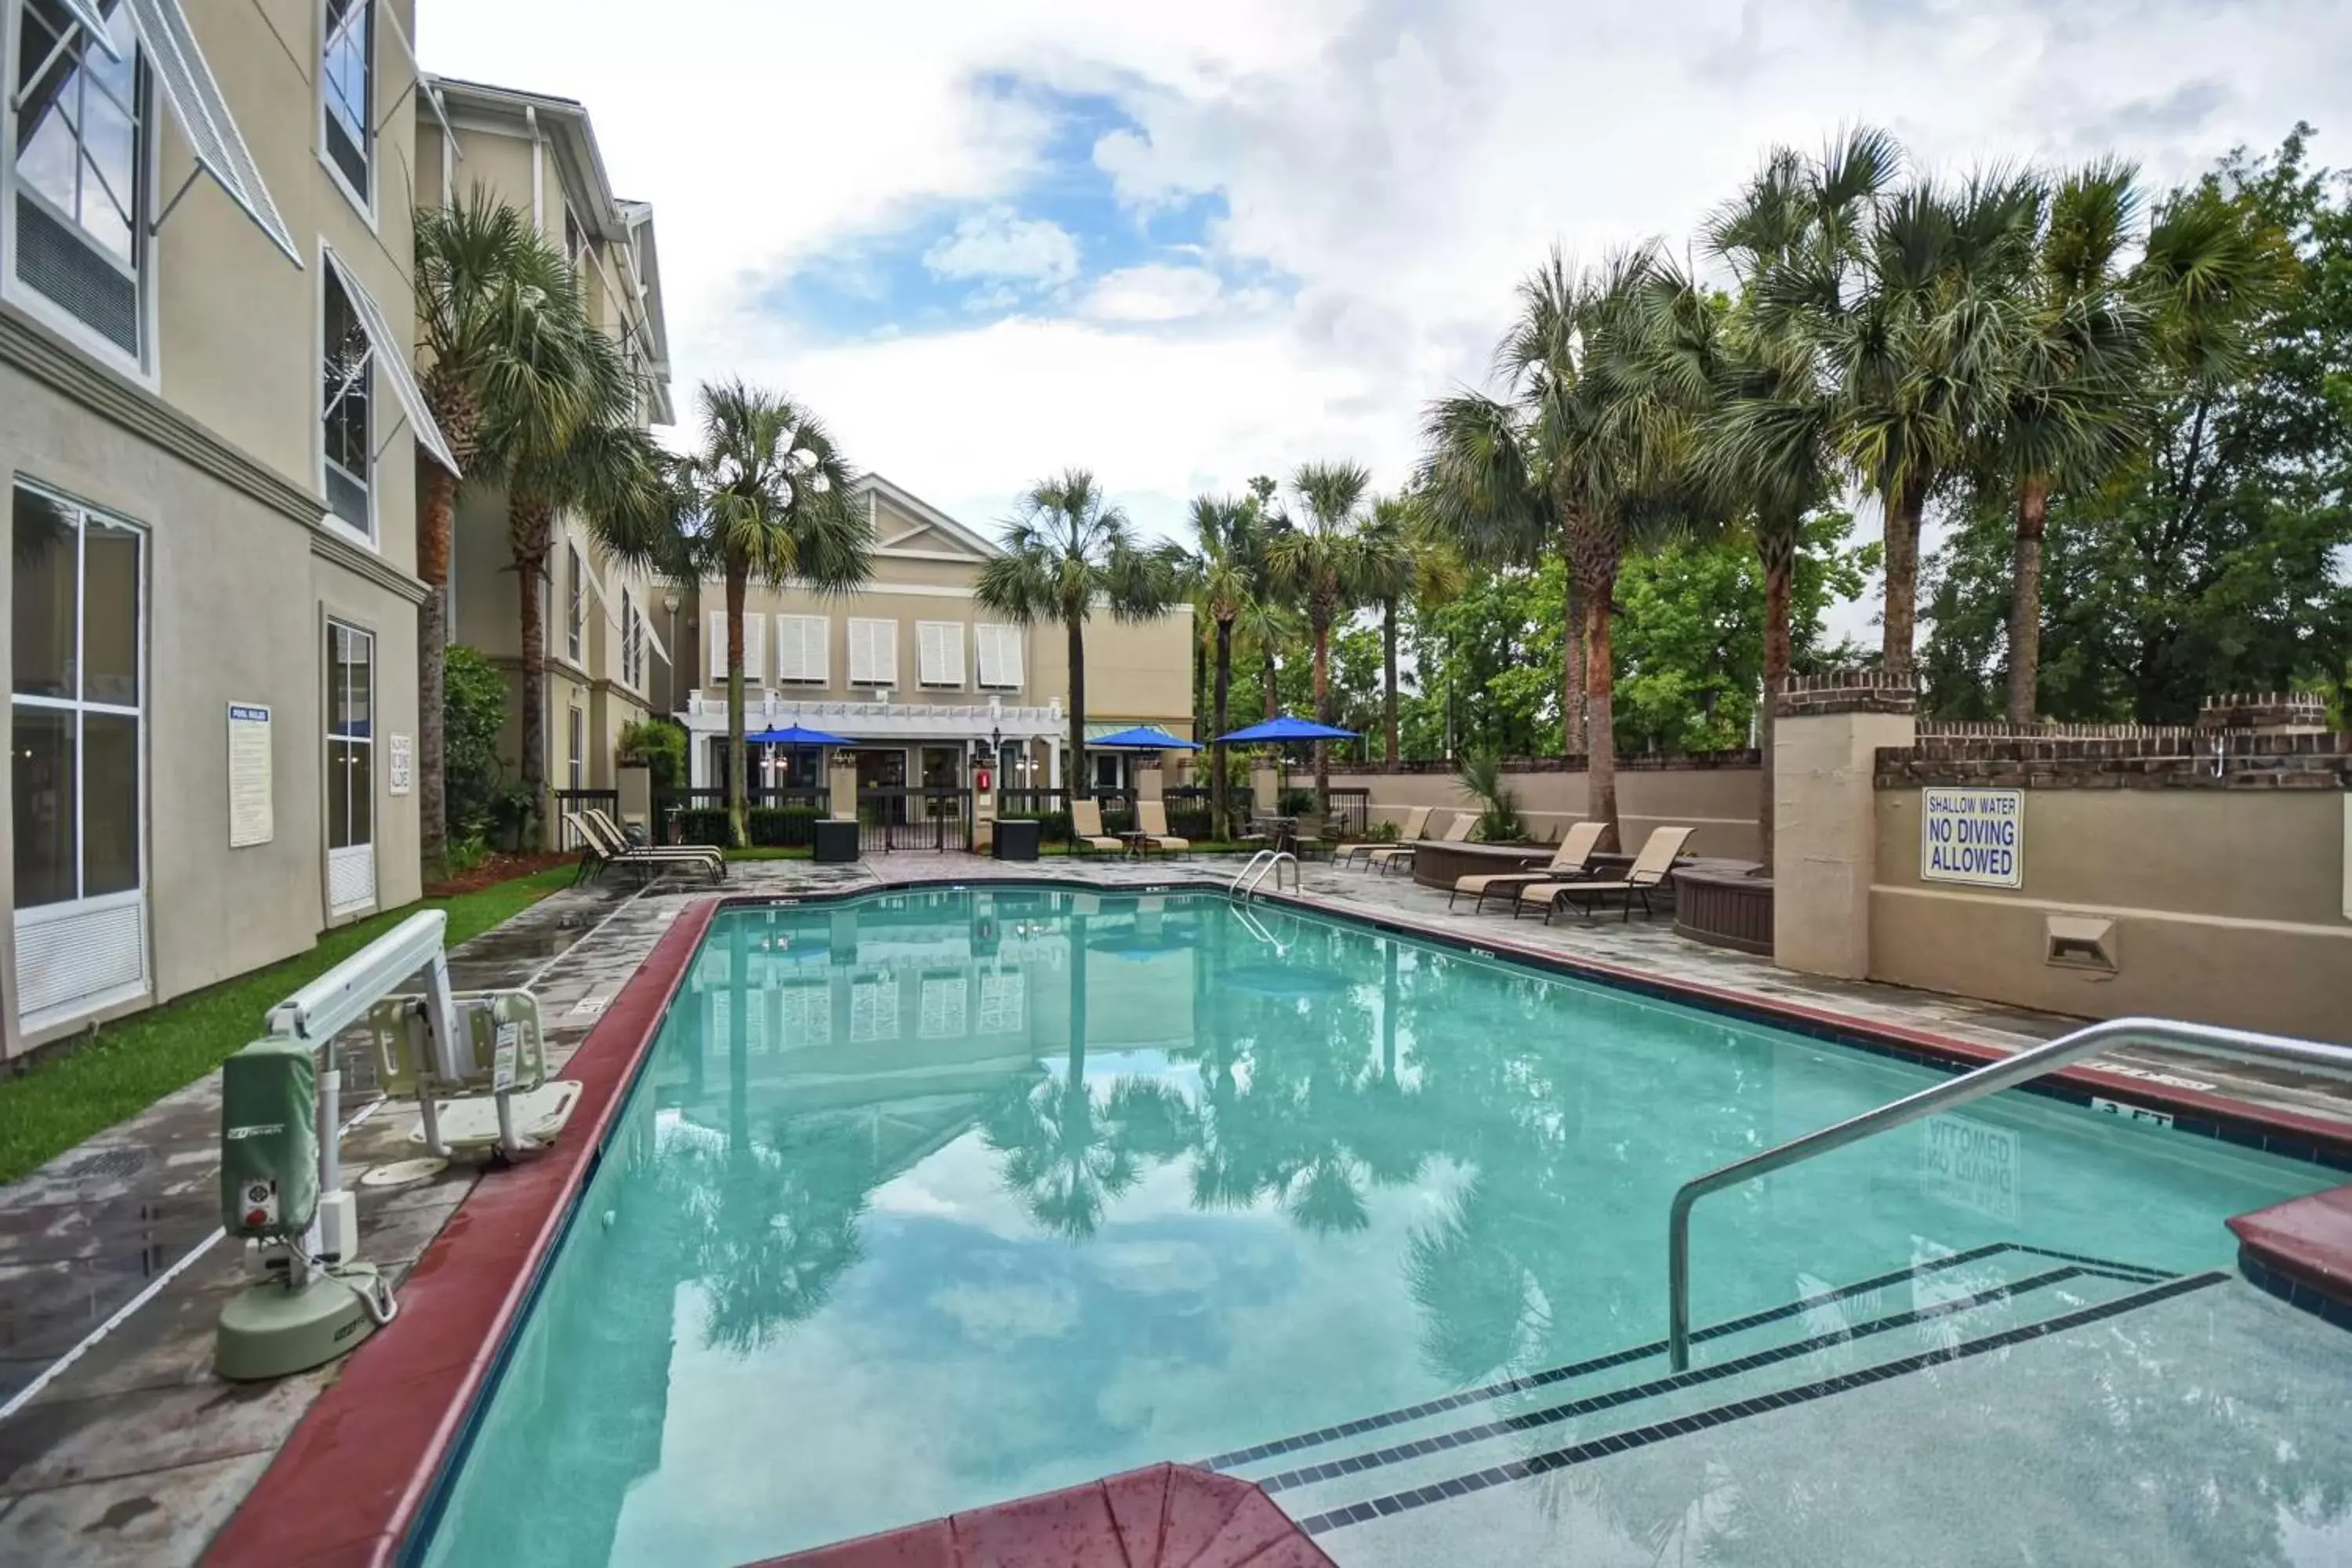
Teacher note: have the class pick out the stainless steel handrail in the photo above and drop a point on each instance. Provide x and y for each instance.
(2031, 1063)
(1246, 884)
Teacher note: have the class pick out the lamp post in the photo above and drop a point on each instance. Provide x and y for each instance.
(669, 607)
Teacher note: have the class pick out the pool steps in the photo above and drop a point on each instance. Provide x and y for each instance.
(1825, 1344)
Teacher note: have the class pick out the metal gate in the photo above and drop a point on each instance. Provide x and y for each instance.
(913, 818)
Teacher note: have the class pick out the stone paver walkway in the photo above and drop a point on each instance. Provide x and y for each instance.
(135, 1453)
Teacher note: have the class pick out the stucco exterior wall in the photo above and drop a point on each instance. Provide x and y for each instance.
(1718, 804)
(236, 603)
(2232, 905)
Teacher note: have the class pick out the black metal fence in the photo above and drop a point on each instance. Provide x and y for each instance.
(775, 816)
(914, 817)
(566, 803)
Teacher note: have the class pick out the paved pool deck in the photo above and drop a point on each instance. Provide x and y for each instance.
(132, 1451)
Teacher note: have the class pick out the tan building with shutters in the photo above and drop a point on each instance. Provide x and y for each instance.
(920, 677)
(210, 428)
(607, 631)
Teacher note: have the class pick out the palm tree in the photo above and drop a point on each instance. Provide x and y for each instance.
(770, 500)
(1589, 435)
(1069, 549)
(598, 464)
(1915, 356)
(1323, 563)
(1406, 559)
(2066, 409)
(504, 349)
(1224, 572)
(1767, 448)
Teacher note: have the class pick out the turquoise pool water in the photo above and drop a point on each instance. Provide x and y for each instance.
(932, 1200)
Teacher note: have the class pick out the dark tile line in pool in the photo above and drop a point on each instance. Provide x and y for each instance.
(2293, 1292)
(1643, 1437)
(1633, 1393)
(1554, 1376)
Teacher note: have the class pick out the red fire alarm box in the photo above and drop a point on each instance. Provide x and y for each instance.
(979, 779)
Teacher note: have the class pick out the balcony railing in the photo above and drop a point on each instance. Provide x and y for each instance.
(768, 706)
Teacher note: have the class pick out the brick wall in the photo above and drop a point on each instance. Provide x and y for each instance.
(2216, 761)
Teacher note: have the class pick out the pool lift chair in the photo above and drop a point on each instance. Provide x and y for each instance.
(310, 1297)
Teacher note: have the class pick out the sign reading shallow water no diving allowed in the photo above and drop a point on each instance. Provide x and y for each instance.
(1974, 836)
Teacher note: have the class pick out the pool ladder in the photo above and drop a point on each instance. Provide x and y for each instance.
(1245, 882)
(2209, 1039)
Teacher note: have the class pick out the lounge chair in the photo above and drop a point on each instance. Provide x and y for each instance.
(1456, 832)
(616, 834)
(1086, 829)
(1574, 855)
(1151, 816)
(1649, 870)
(1416, 821)
(604, 849)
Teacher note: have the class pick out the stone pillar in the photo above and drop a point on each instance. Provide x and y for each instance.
(984, 802)
(635, 783)
(1826, 733)
(1148, 783)
(1266, 787)
(2272, 713)
(840, 779)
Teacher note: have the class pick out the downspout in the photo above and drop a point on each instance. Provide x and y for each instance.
(538, 179)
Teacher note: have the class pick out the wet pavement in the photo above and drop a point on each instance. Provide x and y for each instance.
(135, 1453)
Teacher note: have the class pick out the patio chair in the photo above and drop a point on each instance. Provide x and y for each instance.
(1151, 816)
(1574, 855)
(1416, 821)
(604, 849)
(1086, 828)
(618, 836)
(1649, 870)
(1400, 855)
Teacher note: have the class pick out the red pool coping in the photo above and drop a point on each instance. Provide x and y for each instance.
(349, 1483)
(2305, 1243)
(1163, 1516)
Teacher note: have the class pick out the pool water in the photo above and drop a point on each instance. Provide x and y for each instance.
(933, 1200)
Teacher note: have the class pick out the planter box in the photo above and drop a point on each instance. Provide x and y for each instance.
(835, 841)
(1725, 909)
(1017, 839)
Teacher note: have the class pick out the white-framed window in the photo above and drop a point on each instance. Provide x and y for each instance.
(999, 650)
(575, 609)
(575, 746)
(939, 649)
(80, 174)
(347, 96)
(575, 243)
(631, 642)
(350, 767)
(873, 653)
(76, 757)
(346, 383)
(803, 650)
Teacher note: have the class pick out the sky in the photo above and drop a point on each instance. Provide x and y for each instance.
(1179, 245)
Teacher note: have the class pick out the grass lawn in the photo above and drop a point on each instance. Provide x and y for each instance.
(769, 852)
(136, 1061)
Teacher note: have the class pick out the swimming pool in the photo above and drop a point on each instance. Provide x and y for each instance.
(929, 1200)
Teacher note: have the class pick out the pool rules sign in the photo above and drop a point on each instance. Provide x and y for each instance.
(1972, 836)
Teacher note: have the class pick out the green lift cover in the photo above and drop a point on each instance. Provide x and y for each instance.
(269, 1140)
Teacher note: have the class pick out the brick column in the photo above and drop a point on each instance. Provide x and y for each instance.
(1826, 733)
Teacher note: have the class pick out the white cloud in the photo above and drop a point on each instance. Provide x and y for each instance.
(1395, 164)
(1154, 293)
(998, 243)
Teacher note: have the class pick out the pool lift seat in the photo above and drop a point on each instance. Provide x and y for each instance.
(492, 1091)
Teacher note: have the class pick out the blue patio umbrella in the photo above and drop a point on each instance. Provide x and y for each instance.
(1282, 727)
(793, 735)
(1144, 738)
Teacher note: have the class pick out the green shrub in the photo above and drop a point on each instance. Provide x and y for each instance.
(472, 710)
(465, 854)
(1482, 779)
(660, 745)
(1295, 803)
(778, 826)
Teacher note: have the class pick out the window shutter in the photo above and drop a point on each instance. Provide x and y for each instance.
(717, 644)
(801, 648)
(1000, 657)
(940, 644)
(874, 653)
(755, 649)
